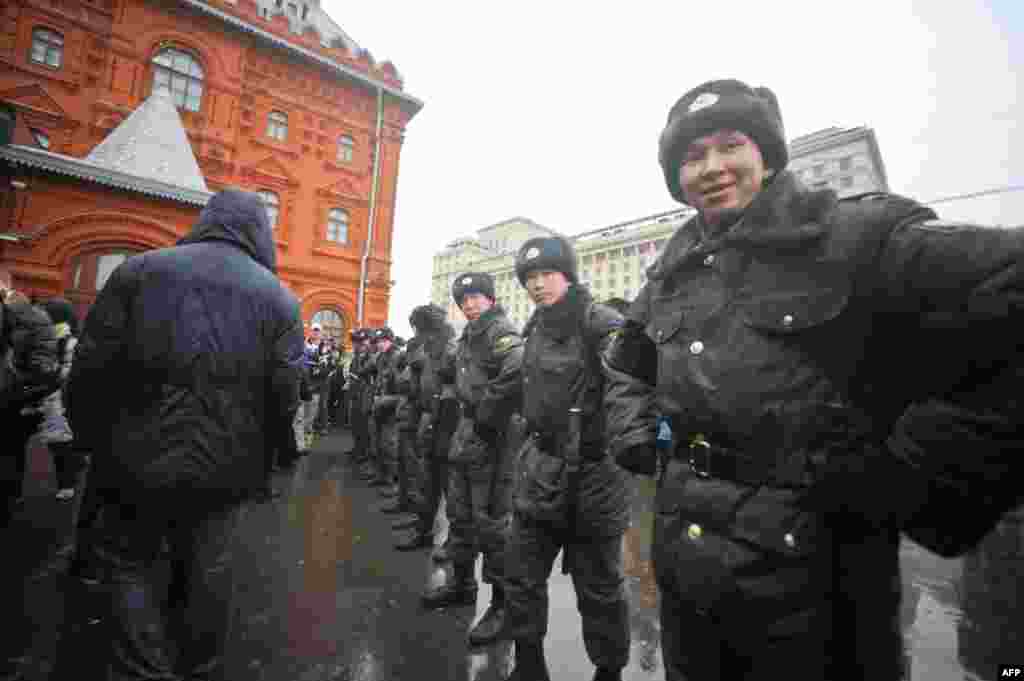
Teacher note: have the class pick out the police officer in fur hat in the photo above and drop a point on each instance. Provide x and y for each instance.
(385, 401)
(486, 375)
(433, 391)
(819, 361)
(570, 496)
(357, 388)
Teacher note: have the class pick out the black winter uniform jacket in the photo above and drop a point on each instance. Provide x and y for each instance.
(821, 343)
(564, 344)
(188, 366)
(486, 375)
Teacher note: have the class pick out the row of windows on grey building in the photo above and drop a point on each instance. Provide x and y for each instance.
(815, 174)
(598, 271)
(180, 72)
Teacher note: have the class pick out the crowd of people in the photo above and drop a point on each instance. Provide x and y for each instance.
(808, 378)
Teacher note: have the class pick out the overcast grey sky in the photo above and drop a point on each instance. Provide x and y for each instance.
(552, 110)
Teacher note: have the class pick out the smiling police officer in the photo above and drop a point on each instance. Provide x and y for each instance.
(829, 368)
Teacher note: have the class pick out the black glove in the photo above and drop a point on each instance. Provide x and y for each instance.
(897, 488)
(486, 433)
(639, 459)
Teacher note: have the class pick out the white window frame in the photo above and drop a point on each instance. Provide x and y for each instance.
(272, 204)
(182, 74)
(337, 226)
(47, 48)
(277, 125)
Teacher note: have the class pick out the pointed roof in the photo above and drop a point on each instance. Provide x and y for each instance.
(151, 144)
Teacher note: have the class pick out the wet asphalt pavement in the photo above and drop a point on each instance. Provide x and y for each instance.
(322, 596)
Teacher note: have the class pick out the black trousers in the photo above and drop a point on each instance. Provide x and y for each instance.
(179, 632)
(595, 564)
(17, 431)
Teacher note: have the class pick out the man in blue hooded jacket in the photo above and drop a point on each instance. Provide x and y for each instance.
(187, 369)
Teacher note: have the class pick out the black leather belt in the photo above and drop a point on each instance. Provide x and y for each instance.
(708, 460)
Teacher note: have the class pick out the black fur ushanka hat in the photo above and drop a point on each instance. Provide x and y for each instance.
(722, 105)
(472, 282)
(546, 253)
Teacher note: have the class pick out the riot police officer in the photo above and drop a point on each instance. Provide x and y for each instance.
(356, 396)
(487, 361)
(829, 369)
(407, 417)
(570, 495)
(434, 395)
(385, 401)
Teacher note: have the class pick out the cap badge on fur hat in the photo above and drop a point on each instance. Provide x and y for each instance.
(531, 253)
(466, 281)
(703, 101)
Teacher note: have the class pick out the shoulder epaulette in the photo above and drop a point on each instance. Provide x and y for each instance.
(867, 196)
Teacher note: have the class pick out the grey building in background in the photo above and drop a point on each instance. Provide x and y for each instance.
(847, 161)
(612, 261)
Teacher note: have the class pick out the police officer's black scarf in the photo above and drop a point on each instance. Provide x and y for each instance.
(564, 318)
(473, 328)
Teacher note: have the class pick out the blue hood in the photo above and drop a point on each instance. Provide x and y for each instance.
(237, 217)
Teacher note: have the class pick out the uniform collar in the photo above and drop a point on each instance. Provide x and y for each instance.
(784, 216)
(474, 329)
(564, 318)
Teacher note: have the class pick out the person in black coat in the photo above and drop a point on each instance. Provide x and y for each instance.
(186, 371)
(834, 372)
(570, 497)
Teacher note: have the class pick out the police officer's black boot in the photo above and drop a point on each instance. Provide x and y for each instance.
(489, 628)
(443, 554)
(397, 506)
(530, 663)
(418, 539)
(422, 536)
(607, 674)
(458, 589)
(405, 522)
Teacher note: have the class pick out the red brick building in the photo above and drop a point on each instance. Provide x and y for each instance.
(271, 96)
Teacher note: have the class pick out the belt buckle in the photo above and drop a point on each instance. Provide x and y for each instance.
(699, 444)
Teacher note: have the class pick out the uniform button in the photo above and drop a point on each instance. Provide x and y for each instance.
(660, 334)
(790, 540)
(694, 531)
(787, 320)
(709, 260)
(696, 347)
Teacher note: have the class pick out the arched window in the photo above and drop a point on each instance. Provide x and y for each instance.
(332, 324)
(181, 74)
(346, 145)
(277, 125)
(271, 203)
(89, 273)
(47, 47)
(337, 226)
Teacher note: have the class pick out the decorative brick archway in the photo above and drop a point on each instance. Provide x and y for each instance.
(329, 301)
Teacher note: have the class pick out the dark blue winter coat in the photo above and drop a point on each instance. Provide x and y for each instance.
(188, 365)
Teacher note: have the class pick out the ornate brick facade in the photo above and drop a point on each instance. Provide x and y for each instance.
(50, 224)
